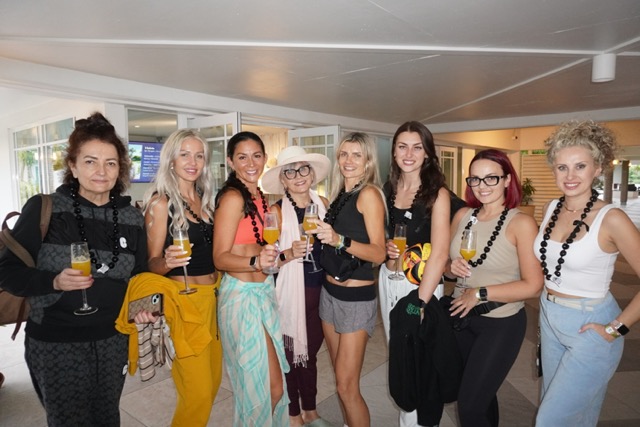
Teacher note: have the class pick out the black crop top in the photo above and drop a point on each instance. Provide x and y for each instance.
(201, 262)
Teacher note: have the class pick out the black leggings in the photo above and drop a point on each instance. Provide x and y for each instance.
(489, 347)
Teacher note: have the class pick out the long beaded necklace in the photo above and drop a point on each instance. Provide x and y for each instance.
(293, 202)
(555, 278)
(102, 267)
(208, 235)
(256, 230)
(494, 235)
(407, 216)
(335, 208)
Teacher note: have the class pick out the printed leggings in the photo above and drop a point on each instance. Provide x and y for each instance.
(79, 383)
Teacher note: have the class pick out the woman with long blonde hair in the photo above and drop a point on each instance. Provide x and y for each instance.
(180, 198)
(353, 237)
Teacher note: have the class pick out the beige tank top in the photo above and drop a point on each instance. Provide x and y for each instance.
(501, 265)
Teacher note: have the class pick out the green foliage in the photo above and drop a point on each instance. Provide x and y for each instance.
(528, 190)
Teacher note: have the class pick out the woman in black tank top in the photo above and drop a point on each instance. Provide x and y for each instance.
(352, 235)
(417, 196)
(181, 197)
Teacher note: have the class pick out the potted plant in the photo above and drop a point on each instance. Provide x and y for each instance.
(528, 190)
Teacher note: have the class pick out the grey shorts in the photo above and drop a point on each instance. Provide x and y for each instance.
(348, 316)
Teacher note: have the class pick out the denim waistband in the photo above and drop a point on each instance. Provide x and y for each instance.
(586, 304)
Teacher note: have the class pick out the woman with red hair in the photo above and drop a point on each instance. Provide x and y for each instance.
(490, 317)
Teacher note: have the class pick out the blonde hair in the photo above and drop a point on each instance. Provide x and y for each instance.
(371, 174)
(595, 137)
(165, 183)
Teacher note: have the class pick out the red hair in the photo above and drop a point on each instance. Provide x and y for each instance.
(512, 194)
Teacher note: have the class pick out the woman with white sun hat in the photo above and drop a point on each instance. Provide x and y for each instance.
(295, 173)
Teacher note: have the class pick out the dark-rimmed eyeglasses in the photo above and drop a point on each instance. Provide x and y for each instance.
(302, 171)
(489, 181)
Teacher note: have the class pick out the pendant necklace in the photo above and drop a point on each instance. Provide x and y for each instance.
(407, 216)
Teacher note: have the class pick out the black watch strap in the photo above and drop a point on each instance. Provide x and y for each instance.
(282, 257)
(346, 242)
(253, 262)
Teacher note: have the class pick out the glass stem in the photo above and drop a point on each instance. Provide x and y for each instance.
(186, 283)
(85, 304)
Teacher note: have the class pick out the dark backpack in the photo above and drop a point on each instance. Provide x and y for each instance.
(14, 309)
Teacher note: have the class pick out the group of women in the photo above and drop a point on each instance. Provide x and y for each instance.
(268, 330)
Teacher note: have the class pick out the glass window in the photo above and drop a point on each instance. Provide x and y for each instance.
(38, 154)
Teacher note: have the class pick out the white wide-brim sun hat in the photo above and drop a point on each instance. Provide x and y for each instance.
(319, 162)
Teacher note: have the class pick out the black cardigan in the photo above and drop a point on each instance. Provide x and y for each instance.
(425, 365)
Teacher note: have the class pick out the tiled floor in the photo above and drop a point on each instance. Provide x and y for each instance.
(152, 403)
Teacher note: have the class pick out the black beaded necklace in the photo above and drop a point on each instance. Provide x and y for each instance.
(494, 234)
(102, 267)
(555, 278)
(335, 208)
(256, 230)
(293, 202)
(407, 216)
(208, 235)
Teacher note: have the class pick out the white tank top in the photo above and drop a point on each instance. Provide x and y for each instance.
(587, 269)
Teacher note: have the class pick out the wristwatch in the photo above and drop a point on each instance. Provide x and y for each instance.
(282, 257)
(346, 242)
(619, 326)
(253, 263)
(481, 294)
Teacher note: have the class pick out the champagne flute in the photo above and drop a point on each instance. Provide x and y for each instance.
(181, 238)
(468, 248)
(310, 215)
(81, 260)
(400, 240)
(309, 256)
(271, 234)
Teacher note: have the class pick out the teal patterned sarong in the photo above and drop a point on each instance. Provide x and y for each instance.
(246, 310)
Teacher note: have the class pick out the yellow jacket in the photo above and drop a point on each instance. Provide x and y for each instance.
(188, 333)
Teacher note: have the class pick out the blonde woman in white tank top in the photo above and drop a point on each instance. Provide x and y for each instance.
(581, 323)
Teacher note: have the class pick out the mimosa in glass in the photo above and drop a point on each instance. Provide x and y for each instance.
(181, 238)
(400, 240)
(81, 260)
(468, 248)
(271, 234)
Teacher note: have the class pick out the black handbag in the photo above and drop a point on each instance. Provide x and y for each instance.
(338, 263)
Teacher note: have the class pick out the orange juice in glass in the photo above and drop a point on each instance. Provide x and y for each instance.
(181, 238)
(82, 264)
(270, 235)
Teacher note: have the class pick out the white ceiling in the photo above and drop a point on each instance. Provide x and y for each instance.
(437, 61)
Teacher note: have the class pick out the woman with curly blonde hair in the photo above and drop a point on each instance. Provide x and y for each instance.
(580, 238)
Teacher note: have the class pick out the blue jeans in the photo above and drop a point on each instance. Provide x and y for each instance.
(576, 366)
